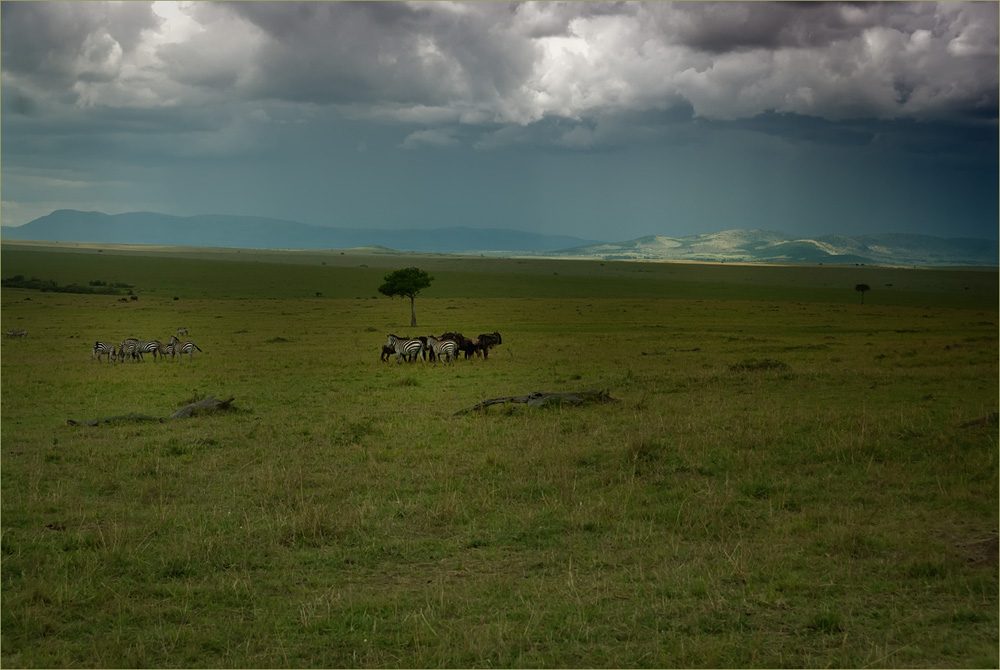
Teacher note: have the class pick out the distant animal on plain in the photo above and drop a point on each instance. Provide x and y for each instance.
(487, 341)
(128, 348)
(166, 348)
(184, 347)
(147, 347)
(104, 349)
(446, 350)
(411, 348)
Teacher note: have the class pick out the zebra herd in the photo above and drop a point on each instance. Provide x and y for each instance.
(445, 347)
(134, 350)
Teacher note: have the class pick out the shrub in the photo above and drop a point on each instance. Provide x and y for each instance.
(755, 365)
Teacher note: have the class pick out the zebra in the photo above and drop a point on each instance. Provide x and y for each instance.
(104, 349)
(182, 348)
(182, 331)
(446, 350)
(150, 346)
(128, 347)
(165, 349)
(405, 347)
(16, 332)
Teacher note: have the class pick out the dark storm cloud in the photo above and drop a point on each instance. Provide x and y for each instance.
(498, 62)
(63, 42)
(718, 27)
(521, 62)
(384, 53)
(835, 60)
(690, 98)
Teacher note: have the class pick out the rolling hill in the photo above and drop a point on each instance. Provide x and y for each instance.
(769, 246)
(754, 246)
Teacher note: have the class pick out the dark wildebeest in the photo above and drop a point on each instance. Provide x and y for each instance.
(466, 345)
(487, 341)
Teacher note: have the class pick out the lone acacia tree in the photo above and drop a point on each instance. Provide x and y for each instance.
(406, 282)
(862, 288)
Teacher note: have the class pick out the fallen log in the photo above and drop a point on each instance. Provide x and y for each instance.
(205, 406)
(539, 399)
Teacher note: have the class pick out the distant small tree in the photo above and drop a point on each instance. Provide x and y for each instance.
(407, 282)
(862, 289)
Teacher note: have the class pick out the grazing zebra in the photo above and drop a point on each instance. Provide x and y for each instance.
(405, 347)
(182, 331)
(151, 346)
(182, 348)
(446, 350)
(104, 349)
(128, 347)
(16, 332)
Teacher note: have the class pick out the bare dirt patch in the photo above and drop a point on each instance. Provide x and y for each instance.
(980, 552)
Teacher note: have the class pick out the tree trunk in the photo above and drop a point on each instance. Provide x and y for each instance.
(413, 313)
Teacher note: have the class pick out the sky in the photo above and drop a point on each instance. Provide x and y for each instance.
(607, 121)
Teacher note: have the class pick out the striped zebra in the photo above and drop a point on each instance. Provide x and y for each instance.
(182, 348)
(147, 347)
(167, 348)
(128, 348)
(104, 349)
(405, 347)
(446, 350)
(182, 331)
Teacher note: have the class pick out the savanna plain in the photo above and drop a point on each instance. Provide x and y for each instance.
(788, 477)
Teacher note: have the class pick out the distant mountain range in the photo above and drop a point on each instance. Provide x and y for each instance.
(251, 232)
(756, 246)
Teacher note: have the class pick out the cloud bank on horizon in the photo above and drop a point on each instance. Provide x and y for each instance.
(602, 120)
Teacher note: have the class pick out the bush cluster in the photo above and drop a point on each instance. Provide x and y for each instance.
(97, 286)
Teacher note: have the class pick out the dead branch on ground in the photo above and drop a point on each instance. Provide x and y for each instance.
(539, 399)
(205, 406)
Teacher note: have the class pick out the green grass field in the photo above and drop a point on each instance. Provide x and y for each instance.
(788, 477)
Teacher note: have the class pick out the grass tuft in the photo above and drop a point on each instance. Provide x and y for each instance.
(759, 365)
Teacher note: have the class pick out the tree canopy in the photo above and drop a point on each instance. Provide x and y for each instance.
(862, 288)
(408, 282)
